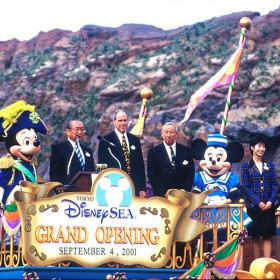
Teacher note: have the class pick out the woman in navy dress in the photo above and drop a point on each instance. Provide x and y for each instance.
(259, 182)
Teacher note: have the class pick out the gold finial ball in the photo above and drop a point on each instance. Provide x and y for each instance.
(146, 93)
(245, 22)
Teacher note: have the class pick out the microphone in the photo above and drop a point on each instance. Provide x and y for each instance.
(100, 138)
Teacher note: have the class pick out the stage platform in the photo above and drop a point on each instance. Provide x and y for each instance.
(100, 273)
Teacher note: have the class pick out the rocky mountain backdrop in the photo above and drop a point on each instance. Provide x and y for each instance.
(92, 72)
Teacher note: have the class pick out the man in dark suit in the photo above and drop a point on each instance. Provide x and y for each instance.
(131, 160)
(70, 157)
(170, 168)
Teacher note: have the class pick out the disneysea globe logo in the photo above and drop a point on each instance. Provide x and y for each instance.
(112, 199)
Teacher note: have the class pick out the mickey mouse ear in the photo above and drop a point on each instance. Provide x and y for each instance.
(235, 152)
(198, 148)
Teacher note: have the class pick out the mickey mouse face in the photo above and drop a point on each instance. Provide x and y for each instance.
(26, 145)
(214, 162)
(215, 155)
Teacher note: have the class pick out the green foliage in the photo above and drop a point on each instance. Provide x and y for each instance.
(76, 39)
(106, 48)
(83, 109)
(270, 93)
(269, 112)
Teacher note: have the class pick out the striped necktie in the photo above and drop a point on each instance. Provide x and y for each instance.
(79, 154)
(173, 159)
(126, 154)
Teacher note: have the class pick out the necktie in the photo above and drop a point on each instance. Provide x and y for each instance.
(173, 158)
(79, 154)
(126, 154)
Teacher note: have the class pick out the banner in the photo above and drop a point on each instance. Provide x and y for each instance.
(108, 224)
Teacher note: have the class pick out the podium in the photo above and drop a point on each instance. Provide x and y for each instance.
(83, 180)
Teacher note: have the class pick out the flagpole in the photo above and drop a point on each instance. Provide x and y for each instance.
(146, 93)
(245, 24)
(223, 77)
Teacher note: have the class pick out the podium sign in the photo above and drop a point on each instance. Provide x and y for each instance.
(108, 224)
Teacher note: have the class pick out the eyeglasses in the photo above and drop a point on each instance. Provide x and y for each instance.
(82, 130)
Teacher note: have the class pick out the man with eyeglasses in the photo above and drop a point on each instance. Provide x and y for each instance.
(71, 156)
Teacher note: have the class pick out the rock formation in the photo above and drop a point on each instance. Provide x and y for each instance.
(89, 73)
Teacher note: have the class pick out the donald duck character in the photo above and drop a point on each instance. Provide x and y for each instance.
(19, 125)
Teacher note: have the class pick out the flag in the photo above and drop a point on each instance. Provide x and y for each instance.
(223, 77)
(137, 130)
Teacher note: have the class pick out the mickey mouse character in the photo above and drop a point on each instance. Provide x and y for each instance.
(19, 125)
(216, 158)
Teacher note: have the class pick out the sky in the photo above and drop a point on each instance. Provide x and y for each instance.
(24, 19)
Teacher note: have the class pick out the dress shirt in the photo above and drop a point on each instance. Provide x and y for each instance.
(169, 150)
(120, 135)
(74, 145)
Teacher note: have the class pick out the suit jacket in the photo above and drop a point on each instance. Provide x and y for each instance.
(113, 156)
(160, 172)
(62, 156)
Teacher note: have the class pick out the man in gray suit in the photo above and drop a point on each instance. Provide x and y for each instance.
(170, 164)
(122, 150)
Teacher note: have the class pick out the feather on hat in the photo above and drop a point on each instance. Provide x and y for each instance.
(18, 116)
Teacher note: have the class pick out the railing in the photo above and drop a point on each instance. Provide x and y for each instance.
(11, 254)
(227, 218)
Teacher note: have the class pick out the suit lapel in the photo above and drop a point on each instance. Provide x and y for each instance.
(165, 156)
(116, 140)
(130, 142)
(178, 155)
(69, 146)
(117, 151)
(84, 152)
(70, 150)
(72, 157)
